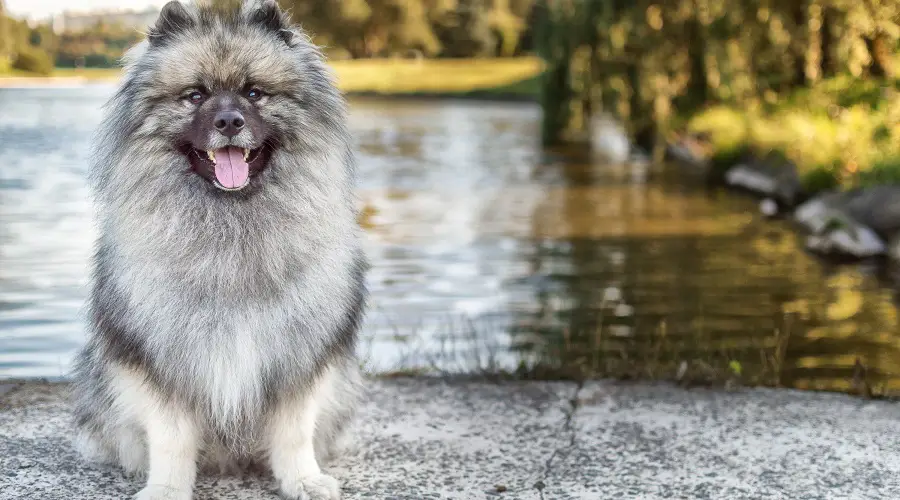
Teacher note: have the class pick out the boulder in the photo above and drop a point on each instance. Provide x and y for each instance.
(609, 140)
(814, 214)
(877, 207)
(769, 177)
(844, 236)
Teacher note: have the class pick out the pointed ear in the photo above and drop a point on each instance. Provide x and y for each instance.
(173, 19)
(268, 15)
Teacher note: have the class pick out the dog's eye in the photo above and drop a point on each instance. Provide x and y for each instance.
(254, 94)
(196, 97)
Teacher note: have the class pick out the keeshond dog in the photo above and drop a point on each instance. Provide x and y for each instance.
(228, 280)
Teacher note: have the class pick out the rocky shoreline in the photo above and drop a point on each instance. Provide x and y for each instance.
(859, 223)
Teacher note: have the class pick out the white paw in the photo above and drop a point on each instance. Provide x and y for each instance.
(319, 487)
(162, 493)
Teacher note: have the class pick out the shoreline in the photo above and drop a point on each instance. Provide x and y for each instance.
(39, 82)
(28, 82)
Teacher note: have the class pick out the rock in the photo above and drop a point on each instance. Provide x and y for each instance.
(814, 214)
(877, 207)
(771, 177)
(893, 250)
(609, 140)
(851, 221)
(690, 149)
(842, 235)
(768, 207)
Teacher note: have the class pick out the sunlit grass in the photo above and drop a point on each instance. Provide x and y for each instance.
(843, 131)
(438, 76)
(88, 73)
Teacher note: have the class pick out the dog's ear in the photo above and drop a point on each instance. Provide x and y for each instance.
(173, 18)
(267, 14)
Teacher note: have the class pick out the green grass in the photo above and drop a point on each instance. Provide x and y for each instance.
(842, 132)
(513, 77)
(88, 73)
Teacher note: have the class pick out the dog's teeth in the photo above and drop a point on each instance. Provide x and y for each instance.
(246, 154)
(212, 155)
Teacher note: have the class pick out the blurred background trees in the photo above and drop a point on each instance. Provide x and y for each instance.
(639, 59)
(707, 42)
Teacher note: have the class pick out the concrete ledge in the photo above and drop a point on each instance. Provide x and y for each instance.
(426, 438)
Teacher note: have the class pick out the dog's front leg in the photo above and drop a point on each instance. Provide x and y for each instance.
(172, 443)
(292, 454)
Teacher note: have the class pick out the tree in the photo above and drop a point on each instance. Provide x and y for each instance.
(5, 38)
(466, 30)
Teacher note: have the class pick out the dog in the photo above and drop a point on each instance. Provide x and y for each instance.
(228, 280)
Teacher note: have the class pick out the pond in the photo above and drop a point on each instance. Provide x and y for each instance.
(489, 254)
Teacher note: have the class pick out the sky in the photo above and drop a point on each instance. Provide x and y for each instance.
(40, 9)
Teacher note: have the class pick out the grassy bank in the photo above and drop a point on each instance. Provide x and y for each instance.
(843, 132)
(501, 78)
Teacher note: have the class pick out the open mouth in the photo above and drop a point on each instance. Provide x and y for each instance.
(229, 168)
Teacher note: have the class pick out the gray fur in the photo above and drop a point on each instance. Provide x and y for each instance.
(225, 303)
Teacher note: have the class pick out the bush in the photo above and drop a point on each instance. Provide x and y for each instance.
(33, 61)
(821, 178)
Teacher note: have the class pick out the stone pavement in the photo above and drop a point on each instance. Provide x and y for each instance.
(427, 438)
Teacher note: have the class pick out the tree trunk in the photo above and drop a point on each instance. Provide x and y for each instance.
(641, 125)
(801, 42)
(698, 92)
(880, 51)
(828, 33)
(556, 87)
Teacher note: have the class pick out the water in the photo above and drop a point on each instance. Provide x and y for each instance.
(487, 253)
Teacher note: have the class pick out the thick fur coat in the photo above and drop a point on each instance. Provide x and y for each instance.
(223, 324)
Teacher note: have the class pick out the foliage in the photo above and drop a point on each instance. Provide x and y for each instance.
(33, 60)
(836, 132)
(99, 47)
(650, 62)
(432, 28)
(6, 45)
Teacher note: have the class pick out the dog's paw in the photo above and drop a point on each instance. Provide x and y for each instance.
(162, 493)
(320, 487)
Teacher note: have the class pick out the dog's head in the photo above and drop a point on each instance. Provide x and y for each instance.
(216, 96)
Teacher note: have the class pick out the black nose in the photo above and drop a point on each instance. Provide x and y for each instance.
(229, 123)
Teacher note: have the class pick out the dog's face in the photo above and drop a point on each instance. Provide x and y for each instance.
(227, 91)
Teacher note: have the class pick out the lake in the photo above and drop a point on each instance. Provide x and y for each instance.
(489, 254)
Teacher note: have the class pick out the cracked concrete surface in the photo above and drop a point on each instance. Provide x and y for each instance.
(428, 438)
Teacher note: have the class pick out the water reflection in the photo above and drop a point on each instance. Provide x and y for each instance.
(489, 253)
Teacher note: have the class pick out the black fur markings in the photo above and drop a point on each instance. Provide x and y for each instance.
(173, 19)
(270, 17)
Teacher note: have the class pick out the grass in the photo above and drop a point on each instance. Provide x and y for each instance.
(88, 73)
(515, 78)
(509, 77)
(843, 132)
(652, 353)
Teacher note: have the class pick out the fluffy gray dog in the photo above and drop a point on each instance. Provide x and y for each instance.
(228, 281)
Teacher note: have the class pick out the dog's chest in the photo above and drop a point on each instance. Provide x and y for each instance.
(230, 376)
(226, 366)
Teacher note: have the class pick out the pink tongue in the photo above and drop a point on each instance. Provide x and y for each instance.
(231, 169)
